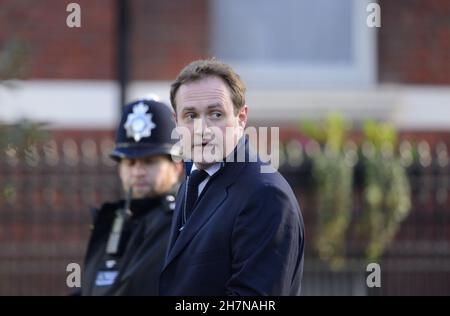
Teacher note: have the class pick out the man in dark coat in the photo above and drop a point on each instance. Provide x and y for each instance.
(237, 227)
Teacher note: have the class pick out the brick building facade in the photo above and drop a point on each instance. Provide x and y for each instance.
(413, 42)
(70, 81)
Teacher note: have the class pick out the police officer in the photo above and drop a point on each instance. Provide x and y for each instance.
(129, 237)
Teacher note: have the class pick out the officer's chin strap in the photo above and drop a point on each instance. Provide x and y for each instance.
(112, 246)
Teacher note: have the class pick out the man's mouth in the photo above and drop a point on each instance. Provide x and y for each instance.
(203, 144)
(140, 184)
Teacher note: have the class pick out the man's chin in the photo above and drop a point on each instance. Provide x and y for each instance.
(141, 194)
(207, 160)
(206, 155)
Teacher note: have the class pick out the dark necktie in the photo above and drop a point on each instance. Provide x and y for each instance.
(195, 178)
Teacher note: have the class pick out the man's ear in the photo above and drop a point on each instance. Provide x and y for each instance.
(242, 116)
(179, 167)
(174, 114)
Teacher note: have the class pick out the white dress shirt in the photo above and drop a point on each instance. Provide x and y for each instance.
(211, 170)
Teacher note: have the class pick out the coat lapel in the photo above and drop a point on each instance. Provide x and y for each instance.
(205, 208)
(214, 196)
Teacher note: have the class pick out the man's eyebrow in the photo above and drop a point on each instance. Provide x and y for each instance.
(215, 105)
(189, 108)
(209, 107)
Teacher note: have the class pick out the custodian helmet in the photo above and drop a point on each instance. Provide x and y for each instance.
(144, 130)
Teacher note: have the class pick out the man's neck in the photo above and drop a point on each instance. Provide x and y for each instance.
(203, 166)
(211, 169)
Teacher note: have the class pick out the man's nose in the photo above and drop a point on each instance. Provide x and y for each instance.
(138, 168)
(200, 125)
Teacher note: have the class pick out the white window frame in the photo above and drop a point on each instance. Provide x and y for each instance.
(360, 73)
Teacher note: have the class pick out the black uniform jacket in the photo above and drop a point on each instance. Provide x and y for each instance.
(135, 268)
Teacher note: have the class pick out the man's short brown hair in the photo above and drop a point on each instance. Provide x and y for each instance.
(203, 68)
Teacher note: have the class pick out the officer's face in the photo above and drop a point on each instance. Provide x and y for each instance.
(205, 108)
(149, 177)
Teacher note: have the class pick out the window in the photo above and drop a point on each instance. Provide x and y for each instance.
(295, 43)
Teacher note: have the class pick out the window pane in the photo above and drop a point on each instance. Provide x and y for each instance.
(300, 31)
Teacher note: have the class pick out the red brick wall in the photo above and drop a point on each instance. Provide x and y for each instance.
(166, 35)
(414, 41)
(55, 50)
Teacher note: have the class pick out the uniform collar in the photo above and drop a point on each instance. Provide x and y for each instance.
(141, 206)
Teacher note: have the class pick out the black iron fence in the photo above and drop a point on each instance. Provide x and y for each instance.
(45, 218)
(46, 195)
(417, 262)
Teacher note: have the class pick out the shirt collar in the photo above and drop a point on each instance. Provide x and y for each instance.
(211, 170)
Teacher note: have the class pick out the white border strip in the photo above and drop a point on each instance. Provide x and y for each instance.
(94, 104)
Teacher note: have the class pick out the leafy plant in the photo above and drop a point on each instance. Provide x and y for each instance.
(332, 175)
(387, 193)
(386, 190)
(19, 137)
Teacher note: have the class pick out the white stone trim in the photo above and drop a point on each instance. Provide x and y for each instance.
(94, 104)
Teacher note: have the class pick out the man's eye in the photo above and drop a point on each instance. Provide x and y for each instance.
(216, 114)
(149, 160)
(189, 116)
(129, 162)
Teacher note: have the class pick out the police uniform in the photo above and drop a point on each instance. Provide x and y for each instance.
(129, 238)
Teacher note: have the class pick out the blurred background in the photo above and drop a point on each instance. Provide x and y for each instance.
(363, 112)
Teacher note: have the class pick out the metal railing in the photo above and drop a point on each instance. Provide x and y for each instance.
(417, 262)
(45, 219)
